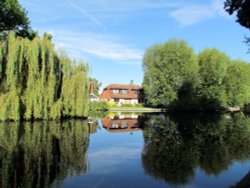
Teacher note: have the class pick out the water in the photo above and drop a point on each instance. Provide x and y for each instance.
(127, 150)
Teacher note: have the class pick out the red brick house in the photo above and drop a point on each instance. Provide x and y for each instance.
(123, 94)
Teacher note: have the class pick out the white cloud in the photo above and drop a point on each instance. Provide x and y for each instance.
(192, 14)
(102, 46)
(83, 11)
(91, 17)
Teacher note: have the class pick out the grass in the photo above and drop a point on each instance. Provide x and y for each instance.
(135, 109)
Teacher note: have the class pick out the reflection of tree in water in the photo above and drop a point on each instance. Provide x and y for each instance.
(176, 146)
(38, 154)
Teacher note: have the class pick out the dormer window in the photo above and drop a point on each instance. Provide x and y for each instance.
(115, 91)
(124, 91)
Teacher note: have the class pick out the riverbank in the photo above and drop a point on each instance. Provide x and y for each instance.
(136, 109)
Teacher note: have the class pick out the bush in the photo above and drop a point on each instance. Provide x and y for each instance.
(111, 104)
(139, 105)
(99, 106)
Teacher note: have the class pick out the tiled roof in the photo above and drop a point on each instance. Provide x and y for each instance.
(123, 86)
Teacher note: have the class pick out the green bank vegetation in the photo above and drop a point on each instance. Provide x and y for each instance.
(37, 83)
(178, 79)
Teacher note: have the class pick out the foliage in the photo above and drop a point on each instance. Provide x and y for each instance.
(14, 18)
(111, 104)
(75, 89)
(35, 83)
(167, 67)
(101, 106)
(243, 13)
(177, 79)
(236, 83)
(96, 86)
(212, 70)
(242, 9)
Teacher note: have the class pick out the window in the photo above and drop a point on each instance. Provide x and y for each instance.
(137, 92)
(124, 91)
(115, 91)
(115, 126)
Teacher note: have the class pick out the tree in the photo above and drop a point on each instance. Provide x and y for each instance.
(242, 7)
(131, 82)
(212, 70)
(236, 83)
(14, 18)
(36, 83)
(96, 86)
(167, 67)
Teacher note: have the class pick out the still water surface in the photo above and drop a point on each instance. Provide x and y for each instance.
(127, 150)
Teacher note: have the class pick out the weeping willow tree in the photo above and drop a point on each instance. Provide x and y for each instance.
(73, 95)
(35, 83)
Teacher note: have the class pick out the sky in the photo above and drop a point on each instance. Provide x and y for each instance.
(112, 35)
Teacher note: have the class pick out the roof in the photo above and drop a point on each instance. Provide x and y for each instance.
(131, 94)
(123, 86)
(107, 93)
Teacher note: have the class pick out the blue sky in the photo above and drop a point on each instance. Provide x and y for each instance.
(112, 35)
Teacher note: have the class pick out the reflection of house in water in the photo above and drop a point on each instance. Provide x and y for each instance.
(122, 123)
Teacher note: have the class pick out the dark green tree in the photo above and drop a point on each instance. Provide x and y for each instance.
(13, 18)
(242, 7)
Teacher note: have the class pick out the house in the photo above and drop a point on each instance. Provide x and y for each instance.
(123, 94)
